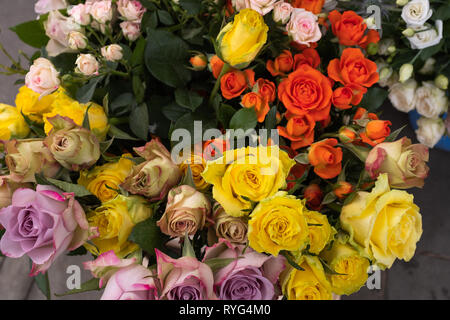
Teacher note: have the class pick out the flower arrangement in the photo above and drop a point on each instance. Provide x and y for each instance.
(206, 150)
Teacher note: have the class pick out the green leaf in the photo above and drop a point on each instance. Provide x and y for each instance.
(86, 92)
(302, 158)
(218, 263)
(119, 134)
(148, 4)
(443, 13)
(431, 51)
(244, 119)
(43, 284)
(149, 20)
(138, 88)
(165, 18)
(224, 114)
(80, 251)
(90, 285)
(188, 179)
(393, 136)
(148, 236)
(290, 260)
(86, 123)
(34, 126)
(139, 124)
(77, 189)
(188, 250)
(173, 111)
(188, 99)
(271, 118)
(329, 198)
(165, 58)
(187, 122)
(137, 58)
(329, 270)
(123, 101)
(192, 7)
(32, 33)
(374, 98)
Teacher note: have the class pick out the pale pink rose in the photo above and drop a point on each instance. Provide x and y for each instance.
(57, 28)
(102, 11)
(45, 6)
(131, 30)
(131, 10)
(81, 14)
(87, 64)
(42, 77)
(185, 278)
(303, 27)
(241, 4)
(262, 6)
(77, 40)
(112, 52)
(282, 12)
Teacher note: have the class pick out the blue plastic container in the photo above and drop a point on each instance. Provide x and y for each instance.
(443, 144)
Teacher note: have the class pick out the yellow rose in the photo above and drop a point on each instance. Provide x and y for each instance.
(12, 124)
(385, 223)
(103, 180)
(320, 231)
(240, 41)
(278, 223)
(344, 259)
(65, 106)
(247, 175)
(197, 164)
(310, 284)
(33, 105)
(115, 220)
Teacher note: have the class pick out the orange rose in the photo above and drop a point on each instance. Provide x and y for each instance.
(234, 82)
(376, 132)
(353, 68)
(343, 189)
(315, 6)
(326, 159)
(350, 94)
(282, 64)
(198, 62)
(257, 101)
(372, 37)
(313, 196)
(306, 91)
(347, 134)
(216, 65)
(308, 56)
(300, 130)
(214, 149)
(362, 114)
(296, 172)
(267, 89)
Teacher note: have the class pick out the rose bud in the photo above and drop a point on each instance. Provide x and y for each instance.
(347, 134)
(199, 62)
(45, 6)
(282, 12)
(80, 14)
(25, 158)
(57, 27)
(154, 177)
(313, 196)
(233, 229)
(405, 163)
(102, 11)
(343, 189)
(131, 30)
(376, 132)
(77, 40)
(42, 77)
(74, 147)
(185, 212)
(87, 65)
(131, 10)
(112, 52)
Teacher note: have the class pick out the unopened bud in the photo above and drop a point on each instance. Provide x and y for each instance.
(347, 134)
(408, 32)
(401, 3)
(406, 72)
(199, 62)
(441, 82)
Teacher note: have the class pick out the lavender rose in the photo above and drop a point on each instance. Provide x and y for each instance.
(42, 224)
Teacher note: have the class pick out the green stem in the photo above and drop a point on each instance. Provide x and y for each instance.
(47, 281)
(226, 67)
(116, 121)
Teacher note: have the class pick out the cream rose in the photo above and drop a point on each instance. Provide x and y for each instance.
(282, 12)
(77, 40)
(416, 12)
(131, 30)
(233, 229)
(42, 77)
(303, 27)
(402, 95)
(430, 101)
(87, 64)
(57, 28)
(427, 36)
(112, 52)
(430, 131)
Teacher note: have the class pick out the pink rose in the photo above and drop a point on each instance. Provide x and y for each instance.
(57, 28)
(42, 77)
(303, 27)
(131, 30)
(131, 10)
(282, 12)
(81, 14)
(45, 6)
(250, 276)
(102, 11)
(185, 278)
(42, 224)
(262, 6)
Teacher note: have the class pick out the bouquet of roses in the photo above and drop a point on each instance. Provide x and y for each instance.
(203, 149)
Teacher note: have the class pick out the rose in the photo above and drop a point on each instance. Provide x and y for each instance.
(80, 13)
(313, 196)
(131, 30)
(25, 158)
(215, 66)
(405, 163)
(343, 97)
(350, 28)
(307, 284)
(32, 105)
(185, 213)
(77, 40)
(278, 223)
(321, 232)
(45, 6)
(282, 12)
(197, 165)
(42, 77)
(235, 82)
(308, 56)
(233, 229)
(7, 188)
(326, 159)
(115, 219)
(198, 61)
(376, 132)
(427, 36)
(240, 41)
(303, 27)
(185, 278)
(343, 189)
(430, 131)
(315, 6)
(112, 52)
(353, 68)
(131, 10)
(402, 95)
(262, 6)
(262, 171)
(12, 123)
(266, 88)
(351, 266)
(87, 64)
(57, 28)
(300, 130)
(154, 177)
(102, 11)
(104, 180)
(249, 276)
(385, 223)
(430, 101)
(416, 12)
(281, 65)
(306, 91)
(74, 147)
(258, 102)
(42, 224)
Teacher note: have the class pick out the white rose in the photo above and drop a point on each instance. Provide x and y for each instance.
(45, 6)
(428, 67)
(282, 12)
(112, 52)
(303, 27)
(430, 131)
(402, 95)
(262, 6)
(42, 77)
(57, 28)
(80, 13)
(87, 64)
(77, 40)
(131, 30)
(416, 12)
(426, 36)
(131, 10)
(431, 101)
(102, 11)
